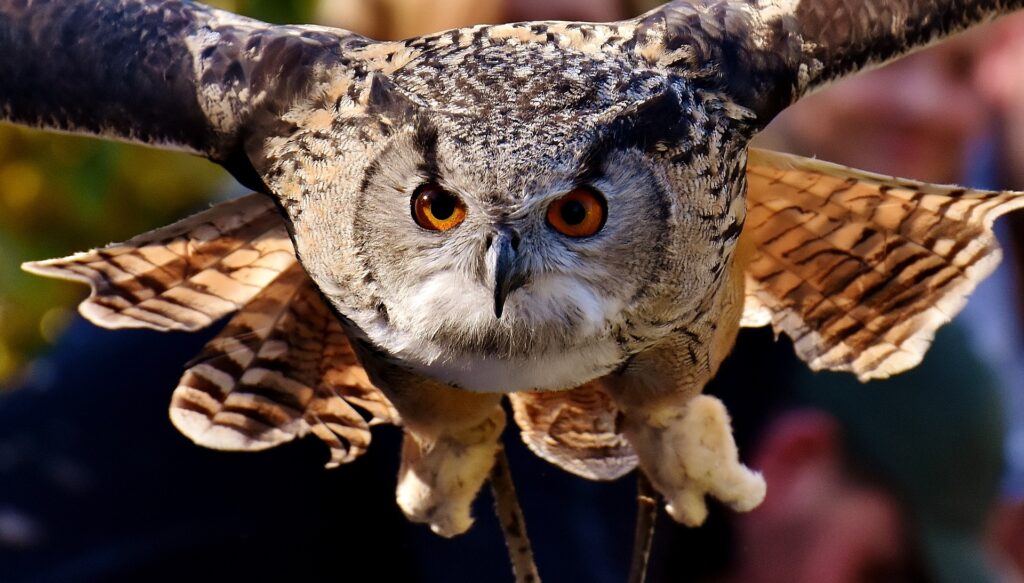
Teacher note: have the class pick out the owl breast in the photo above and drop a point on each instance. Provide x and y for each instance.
(550, 371)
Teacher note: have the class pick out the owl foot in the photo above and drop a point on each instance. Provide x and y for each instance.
(439, 478)
(688, 453)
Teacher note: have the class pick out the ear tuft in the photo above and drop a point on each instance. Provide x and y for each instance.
(648, 124)
(382, 97)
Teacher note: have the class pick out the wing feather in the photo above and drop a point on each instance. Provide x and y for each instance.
(767, 54)
(575, 430)
(281, 368)
(184, 276)
(859, 269)
(167, 73)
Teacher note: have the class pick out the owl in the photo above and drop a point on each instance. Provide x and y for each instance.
(564, 213)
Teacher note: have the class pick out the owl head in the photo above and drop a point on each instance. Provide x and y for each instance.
(506, 210)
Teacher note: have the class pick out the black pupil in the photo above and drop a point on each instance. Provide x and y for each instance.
(442, 204)
(573, 212)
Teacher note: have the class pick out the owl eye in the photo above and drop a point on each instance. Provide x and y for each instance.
(436, 209)
(579, 213)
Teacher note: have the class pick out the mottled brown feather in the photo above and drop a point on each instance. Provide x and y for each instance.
(861, 269)
(281, 368)
(576, 430)
(184, 276)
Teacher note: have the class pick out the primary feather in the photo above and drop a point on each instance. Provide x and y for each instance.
(859, 269)
(281, 368)
(184, 276)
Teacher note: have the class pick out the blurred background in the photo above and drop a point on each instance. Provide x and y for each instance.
(917, 479)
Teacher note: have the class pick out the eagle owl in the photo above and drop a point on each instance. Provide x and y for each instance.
(564, 212)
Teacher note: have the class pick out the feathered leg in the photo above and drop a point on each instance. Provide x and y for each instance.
(451, 439)
(684, 439)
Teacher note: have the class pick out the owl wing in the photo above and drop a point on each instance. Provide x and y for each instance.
(168, 73)
(576, 430)
(184, 276)
(280, 369)
(860, 269)
(766, 54)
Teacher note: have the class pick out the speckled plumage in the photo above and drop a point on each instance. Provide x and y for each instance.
(654, 112)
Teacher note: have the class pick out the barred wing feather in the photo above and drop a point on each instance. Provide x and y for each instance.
(184, 276)
(575, 430)
(859, 269)
(281, 368)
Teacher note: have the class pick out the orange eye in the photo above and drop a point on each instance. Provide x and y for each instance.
(436, 209)
(580, 213)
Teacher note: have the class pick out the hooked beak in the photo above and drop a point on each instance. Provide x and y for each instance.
(507, 275)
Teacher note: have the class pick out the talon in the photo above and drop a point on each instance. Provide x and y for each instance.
(688, 508)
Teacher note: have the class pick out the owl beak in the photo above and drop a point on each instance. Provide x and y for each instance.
(508, 277)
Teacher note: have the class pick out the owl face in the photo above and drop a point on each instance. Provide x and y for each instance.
(519, 228)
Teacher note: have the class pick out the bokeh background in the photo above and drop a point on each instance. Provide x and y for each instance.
(953, 114)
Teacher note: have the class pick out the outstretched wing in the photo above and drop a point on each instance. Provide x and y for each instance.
(858, 269)
(281, 368)
(169, 73)
(766, 54)
(576, 430)
(184, 276)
